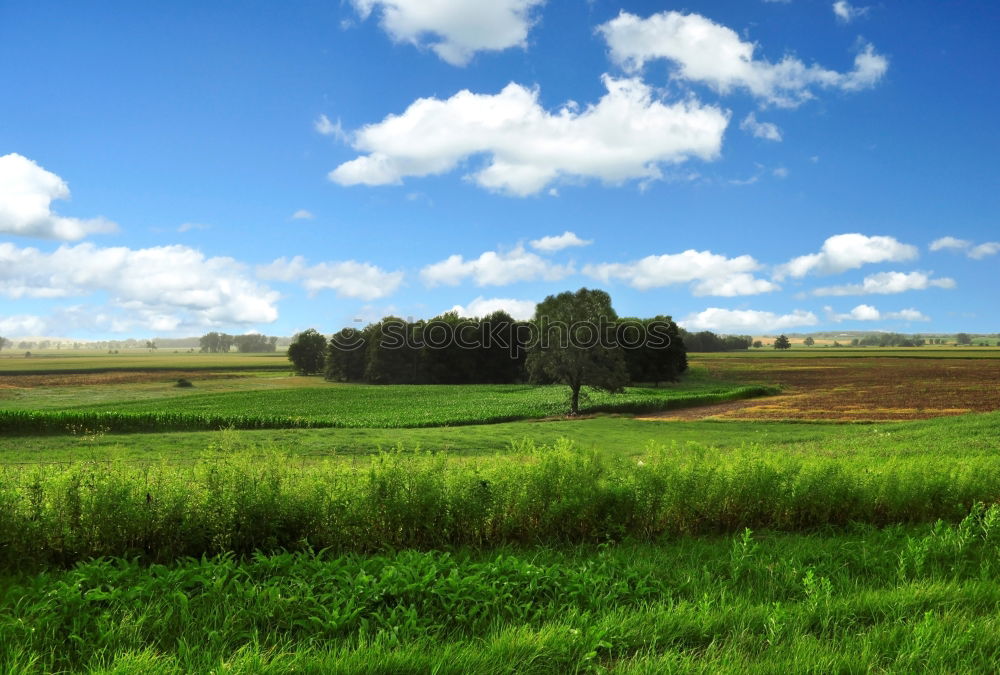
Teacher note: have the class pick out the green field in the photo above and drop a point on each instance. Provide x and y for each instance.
(591, 544)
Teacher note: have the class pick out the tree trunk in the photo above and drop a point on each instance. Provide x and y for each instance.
(574, 408)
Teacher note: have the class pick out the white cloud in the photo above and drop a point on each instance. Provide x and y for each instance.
(324, 126)
(950, 243)
(26, 195)
(187, 227)
(976, 252)
(846, 12)
(712, 274)
(21, 325)
(454, 29)
(766, 130)
(844, 252)
(162, 288)
(713, 54)
(780, 172)
(494, 269)
(869, 313)
(521, 310)
(626, 135)
(349, 279)
(747, 320)
(552, 244)
(983, 250)
(886, 283)
(302, 214)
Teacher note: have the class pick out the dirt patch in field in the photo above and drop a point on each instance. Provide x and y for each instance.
(852, 390)
(97, 379)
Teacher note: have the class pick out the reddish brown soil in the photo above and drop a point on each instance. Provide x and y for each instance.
(844, 389)
(97, 379)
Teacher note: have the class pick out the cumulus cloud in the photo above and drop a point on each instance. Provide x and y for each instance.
(746, 320)
(887, 283)
(494, 268)
(454, 29)
(627, 135)
(552, 244)
(522, 310)
(766, 130)
(976, 252)
(23, 325)
(710, 273)
(869, 313)
(161, 288)
(349, 279)
(302, 214)
(715, 55)
(846, 13)
(26, 195)
(844, 252)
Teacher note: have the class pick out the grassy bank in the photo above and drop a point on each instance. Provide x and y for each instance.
(893, 600)
(244, 502)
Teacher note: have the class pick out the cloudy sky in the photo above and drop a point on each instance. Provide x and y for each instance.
(750, 166)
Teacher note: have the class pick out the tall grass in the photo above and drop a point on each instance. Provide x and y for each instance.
(242, 503)
(895, 600)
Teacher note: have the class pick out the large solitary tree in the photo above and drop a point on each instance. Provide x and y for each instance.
(307, 352)
(576, 344)
(782, 342)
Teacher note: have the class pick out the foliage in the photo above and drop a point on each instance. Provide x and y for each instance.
(707, 341)
(244, 500)
(578, 345)
(307, 352)
(809, 341)
(910, 599)
(782, 342)
(358, 406)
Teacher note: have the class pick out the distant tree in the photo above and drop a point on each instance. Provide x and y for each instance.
(390, 356)
(809, 342)
(308, 352)
(757, 344)
(963, 339)
(577, 345)
(345, 357)
(781, 342)
(3, 342)
(255, 343)
(653, 349)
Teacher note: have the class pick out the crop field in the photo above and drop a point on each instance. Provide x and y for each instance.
(847, 520)
(872, 388)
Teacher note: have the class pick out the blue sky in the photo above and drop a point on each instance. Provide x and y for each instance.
(747, 167)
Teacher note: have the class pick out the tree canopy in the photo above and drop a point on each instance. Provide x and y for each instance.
(307, 352)
(782, 342)
(577, 343)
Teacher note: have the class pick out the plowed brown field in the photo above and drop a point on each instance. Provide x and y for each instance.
(853, 389)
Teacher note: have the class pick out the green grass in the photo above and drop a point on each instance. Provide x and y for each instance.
(966, 435)
(240, 499)
(863, 600)
(350, 405)
(45, 363)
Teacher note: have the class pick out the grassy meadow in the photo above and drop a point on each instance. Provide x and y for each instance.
(476, 529)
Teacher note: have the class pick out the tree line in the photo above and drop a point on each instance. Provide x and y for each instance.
(215, 343)
(575, 338)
